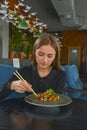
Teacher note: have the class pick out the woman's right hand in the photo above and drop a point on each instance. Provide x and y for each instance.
(21, 86)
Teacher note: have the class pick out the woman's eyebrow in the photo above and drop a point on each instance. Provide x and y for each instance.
(41, 52)
(52, 54)
(47, 54)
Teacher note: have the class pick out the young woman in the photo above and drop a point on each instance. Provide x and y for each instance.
(44, 72)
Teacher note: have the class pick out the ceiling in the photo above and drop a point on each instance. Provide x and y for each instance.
(61, 15)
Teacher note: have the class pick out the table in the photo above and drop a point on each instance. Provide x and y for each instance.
(18, 115)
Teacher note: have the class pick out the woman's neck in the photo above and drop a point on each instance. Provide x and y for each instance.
(44, 72)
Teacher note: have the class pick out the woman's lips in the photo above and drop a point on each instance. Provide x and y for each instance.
(43, 64)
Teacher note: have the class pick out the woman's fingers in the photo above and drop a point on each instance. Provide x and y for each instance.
(21, 86)
(28, 86)
(17, 86)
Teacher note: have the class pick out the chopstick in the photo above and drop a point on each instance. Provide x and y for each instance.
(18, 76)
(16, 73)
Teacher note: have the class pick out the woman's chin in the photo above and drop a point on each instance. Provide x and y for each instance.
(43, 66)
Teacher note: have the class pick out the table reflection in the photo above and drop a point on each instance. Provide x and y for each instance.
(19, 120)
(54, 113)
(18, 115)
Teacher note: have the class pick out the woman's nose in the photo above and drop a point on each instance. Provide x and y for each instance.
(45, 58)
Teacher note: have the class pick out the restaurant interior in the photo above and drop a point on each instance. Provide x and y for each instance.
(21, 23)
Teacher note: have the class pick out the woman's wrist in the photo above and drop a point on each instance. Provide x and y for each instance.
(10, 86)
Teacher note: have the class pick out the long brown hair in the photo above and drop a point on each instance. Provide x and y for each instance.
(46, 39)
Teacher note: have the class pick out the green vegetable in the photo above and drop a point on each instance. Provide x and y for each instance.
(51, 91)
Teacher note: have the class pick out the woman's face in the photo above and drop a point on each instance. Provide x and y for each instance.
(45, 56)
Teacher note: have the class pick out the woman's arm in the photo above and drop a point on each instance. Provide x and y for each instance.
(60, 82)
(13, 84)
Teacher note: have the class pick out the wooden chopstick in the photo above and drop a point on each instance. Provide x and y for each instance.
(34, 93)
(21, 78)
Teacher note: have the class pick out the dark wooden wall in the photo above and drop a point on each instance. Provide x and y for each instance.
(74, 39)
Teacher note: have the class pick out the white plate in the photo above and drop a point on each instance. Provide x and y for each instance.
(64, 100)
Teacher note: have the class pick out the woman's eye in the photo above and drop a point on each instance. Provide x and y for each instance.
(50, 56)
(40, 54)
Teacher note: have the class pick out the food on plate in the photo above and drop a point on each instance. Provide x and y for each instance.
(49, 95)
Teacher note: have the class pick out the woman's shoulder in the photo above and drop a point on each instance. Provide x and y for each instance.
(27, 68)
(60, 72)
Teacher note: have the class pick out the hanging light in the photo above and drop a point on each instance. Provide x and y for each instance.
(5, 2)
(34, 13)
(3, 11)
(21, 4)
(16, 6)
(22, 0)
(27, 7)
(21, 16)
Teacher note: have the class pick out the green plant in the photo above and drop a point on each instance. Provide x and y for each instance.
(30, 45)
(15, 37)
(22, 24)
(11, 47)
(21, 47)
